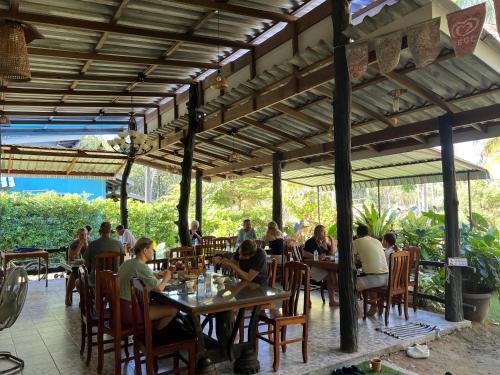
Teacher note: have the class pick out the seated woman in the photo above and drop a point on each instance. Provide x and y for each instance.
(137, 267)
(389, 244)
(195, 233)
(75, 251)
(274, 238)
(249, 263)
(325, 246)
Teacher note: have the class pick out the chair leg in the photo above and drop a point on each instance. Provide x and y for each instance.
(89, 342)
(387, 310)
(304, 342)
(210, 326)
(82, 338)
(400, 310)
(406, 306)
(137, 357)
(192, 359)
(100, 351)
(276, 347)
(118, 355)
(365, 304)
(242, 330)
(149, 364)
(283, 339)
(125, 345)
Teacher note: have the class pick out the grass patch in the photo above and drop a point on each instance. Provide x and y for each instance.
(494, 313)
(365, 367)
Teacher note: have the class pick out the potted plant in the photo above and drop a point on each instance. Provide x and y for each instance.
(482, 250)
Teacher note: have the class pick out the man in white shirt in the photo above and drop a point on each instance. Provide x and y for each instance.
(126, 237)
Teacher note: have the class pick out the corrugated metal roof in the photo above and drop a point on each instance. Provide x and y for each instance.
(416, 167)
(37, 161)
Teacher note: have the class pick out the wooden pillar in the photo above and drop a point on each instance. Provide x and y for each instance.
(199, 197)
(277, 199)
(453, 284)
(123, 191)
(187, 166)
(469, 197)
(343, 179)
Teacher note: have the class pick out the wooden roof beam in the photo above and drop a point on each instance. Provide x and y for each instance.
(298, 115)
(65, 122)
(71, 92)
(71, 166)
(25, 103)
(69, 114)
(109, 78)
(75, 55)
(76, 23)
(63, 153)
(240, 10)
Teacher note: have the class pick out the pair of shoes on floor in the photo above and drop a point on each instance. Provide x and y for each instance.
(418, 351)
(353, 370)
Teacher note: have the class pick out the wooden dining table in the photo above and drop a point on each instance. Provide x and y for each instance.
(221, 302)
(329, 265)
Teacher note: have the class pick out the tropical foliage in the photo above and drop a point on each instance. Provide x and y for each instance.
(378, 223)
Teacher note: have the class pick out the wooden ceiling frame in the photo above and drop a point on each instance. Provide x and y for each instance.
(68, 114)
(104, 78)
(25, 103)
(72, 92)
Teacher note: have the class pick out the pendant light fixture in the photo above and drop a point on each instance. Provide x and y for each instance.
(396, 94)
(234, 157)
(220, 81)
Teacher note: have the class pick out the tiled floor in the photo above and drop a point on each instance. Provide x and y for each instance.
(47, 336)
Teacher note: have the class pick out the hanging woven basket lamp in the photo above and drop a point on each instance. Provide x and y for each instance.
(14, 38)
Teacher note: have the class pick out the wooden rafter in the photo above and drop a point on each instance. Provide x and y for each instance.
(15, 150)
(68, 114)
(65, 122)
(104, 78)
(46, 19)
(23, 103)
(301, 116)
(34, 51)
(241, 10)
(71, 166)
(71, 92)
(14, 5)
(22, 172)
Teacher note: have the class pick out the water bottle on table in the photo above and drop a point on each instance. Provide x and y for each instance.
(201, 285)
(316, 255)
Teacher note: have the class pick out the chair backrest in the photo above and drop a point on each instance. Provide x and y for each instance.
(109, 261)
(233, 240)
(414, 262)
(296, 279)
(219, 243)
(207, 240)
(272, 269)
(190, 262)
(140, 310)
(87, 298)
(294, 248)
(108, 296)
(182, 251)
(259, 244)
(398, 272)
(12, 296)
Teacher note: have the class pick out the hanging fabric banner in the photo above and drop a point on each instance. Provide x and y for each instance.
(357, 60)
(388, 49)
(424, 42)
(497, 13)
(465, 28)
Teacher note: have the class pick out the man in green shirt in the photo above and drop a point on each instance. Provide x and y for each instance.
(104, 244)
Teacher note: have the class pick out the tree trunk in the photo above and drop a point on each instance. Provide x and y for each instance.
(123, 191)
(277, 198)
(343, 179)
(453, 285)
(199, 197)
(187, 166)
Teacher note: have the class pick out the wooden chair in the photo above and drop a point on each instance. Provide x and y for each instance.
(413, 274)
(108, 297)
(69, 274)
(259, 243)
(182, 251)
(219, 244)
(158, 346)
(272, 269)
(296, 275)
(396, 290)
(88, 314)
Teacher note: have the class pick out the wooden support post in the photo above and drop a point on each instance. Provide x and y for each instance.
(469, 197)
(277, 199)
(319, 202)
(378, 199)
(123, 190)
(343, 179)
(453, 284)
(199, 197)
(187, 165)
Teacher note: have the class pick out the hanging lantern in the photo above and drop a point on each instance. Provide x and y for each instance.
(14, 37)
(396, 94)
(220, 82)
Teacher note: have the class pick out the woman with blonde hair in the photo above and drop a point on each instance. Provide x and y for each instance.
(137, 267)
(75, 251)
(274, 238)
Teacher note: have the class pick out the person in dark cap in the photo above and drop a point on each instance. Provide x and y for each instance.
(104, 244)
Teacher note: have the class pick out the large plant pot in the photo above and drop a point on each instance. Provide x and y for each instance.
(482, 304)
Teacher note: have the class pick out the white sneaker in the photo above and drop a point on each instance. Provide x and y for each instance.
(418, 351)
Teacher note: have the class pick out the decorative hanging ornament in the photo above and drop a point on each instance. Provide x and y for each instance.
(357, 59)
(220, 82)
(396, 94)
(14, 38)
(424, 42)
(388, 49)
(465, 28)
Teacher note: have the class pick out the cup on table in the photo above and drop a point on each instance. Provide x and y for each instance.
(376, 364)
(190, 285)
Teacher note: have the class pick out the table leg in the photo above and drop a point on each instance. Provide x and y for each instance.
(204, 365)
(248, 362)
(47, 273)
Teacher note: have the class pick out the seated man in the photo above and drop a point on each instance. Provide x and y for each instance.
(249, 263)
(369, 254)
(104, 244)
(126, 238)
(245, 233)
